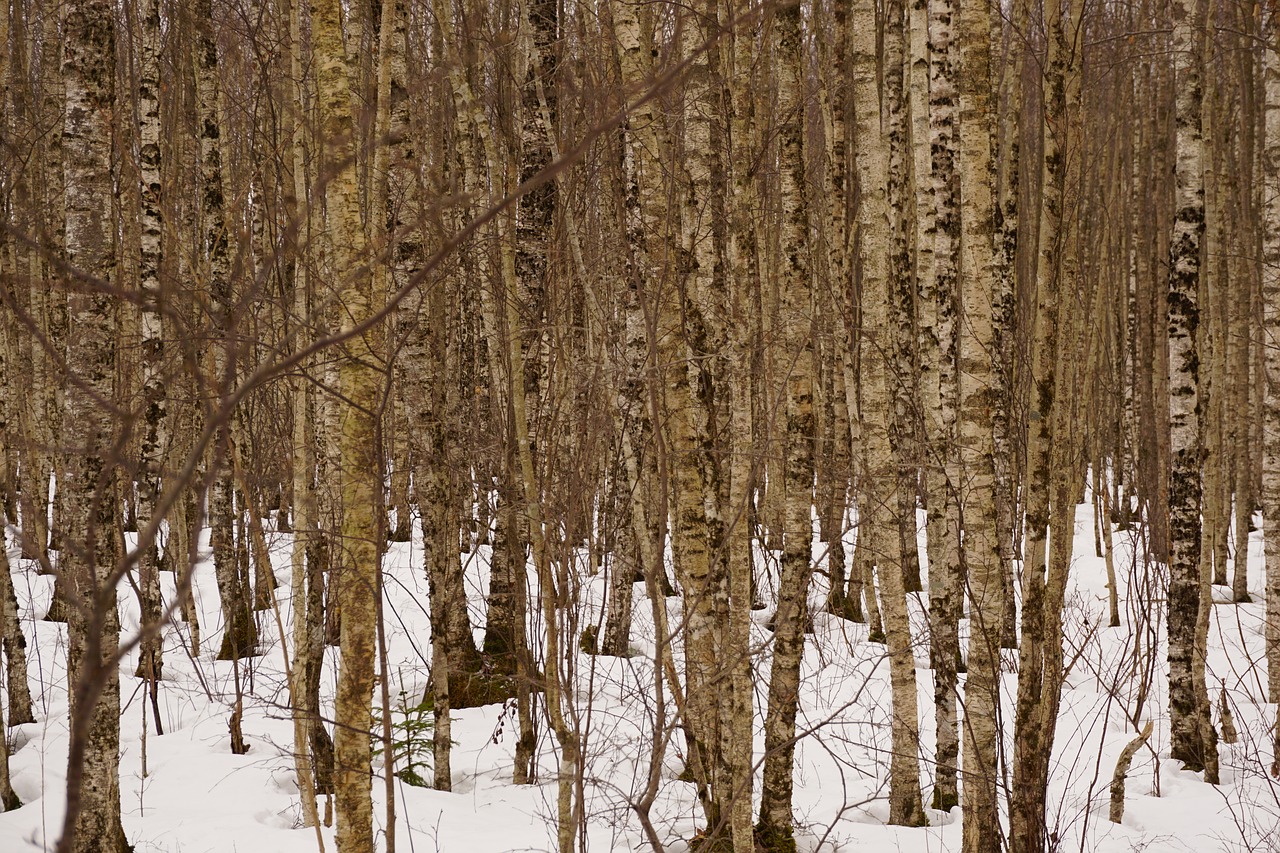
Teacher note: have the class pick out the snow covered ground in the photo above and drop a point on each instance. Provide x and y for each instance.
(195, 796)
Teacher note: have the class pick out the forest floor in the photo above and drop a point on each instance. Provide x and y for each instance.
(196, 796)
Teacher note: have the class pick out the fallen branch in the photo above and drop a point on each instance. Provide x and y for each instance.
(1122, 770)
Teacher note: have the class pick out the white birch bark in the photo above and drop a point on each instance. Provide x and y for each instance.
(358, 550)
(937, 290)
(877, 516)
(977, 399)
(313, 751)
(1191, 738)
(737, 716)
(1005, 305)
(904, 429)
(775, 824)
(91, 546)
(1270, 345)
(155, 409)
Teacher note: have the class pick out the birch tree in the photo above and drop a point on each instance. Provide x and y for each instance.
(1050, 484)
(937, 290)
(1192, 738)
(977, 400)
(876, 516)
(155, 409)
(1270, 344)
(357, 562)
(91, 546)
(774, 826)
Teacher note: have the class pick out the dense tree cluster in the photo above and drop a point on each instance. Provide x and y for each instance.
(649, 289)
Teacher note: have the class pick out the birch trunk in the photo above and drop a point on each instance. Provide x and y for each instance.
(429, 362)
(357, 562)
(92, 821)
(155, 428)
(503, 308)
(876, 516)
(1241, 332)
(40, 208)
(313, 748)
(938, 305)
(8, 799)
(1005, 304)
(1051, 472)
(689, 351)
(631, 495)
(7, 262)
(1270, 345)
(737, 717)
(981, 828)
(15, 646)
(181, 162)
(239, 633)
(775, 825)
(1213, 347)
(836, 103)
(904, 430)
(1192, 741)
(12, 104)
(466, 658)
(404, 246)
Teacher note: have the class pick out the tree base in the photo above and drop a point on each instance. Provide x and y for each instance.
(239, 643)
(915, 817)
(239, 746)
(475, 689)
(945, 802)
(774, 839)
(847, 608)
(704, 843)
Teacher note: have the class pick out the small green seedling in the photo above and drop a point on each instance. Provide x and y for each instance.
(412, 740)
